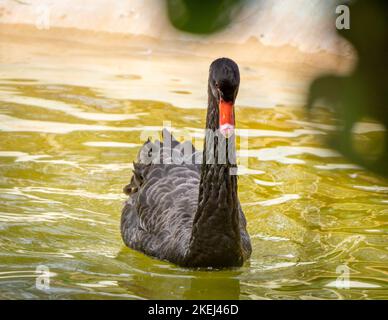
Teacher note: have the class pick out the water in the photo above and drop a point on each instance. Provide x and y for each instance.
(66, 152)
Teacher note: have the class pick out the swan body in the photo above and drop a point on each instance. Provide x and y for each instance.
(181, 208)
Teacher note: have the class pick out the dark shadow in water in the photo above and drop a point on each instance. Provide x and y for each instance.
(153, 279)
(225, 288)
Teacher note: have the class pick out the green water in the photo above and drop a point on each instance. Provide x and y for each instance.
(66, 152)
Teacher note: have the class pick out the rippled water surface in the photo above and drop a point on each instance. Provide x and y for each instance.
(66, 152)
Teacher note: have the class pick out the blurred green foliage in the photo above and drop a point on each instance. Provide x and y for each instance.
(362, 95)
(202, 16)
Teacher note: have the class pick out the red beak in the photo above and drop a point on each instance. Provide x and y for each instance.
(226, 118)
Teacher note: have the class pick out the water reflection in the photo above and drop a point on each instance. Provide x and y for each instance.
(163, 281)
(62, 172)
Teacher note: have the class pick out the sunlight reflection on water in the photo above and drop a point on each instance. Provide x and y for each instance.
(63, 166)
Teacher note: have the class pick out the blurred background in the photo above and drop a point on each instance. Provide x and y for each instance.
(269, 33)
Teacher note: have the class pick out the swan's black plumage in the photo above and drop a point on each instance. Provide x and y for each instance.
(188, 213)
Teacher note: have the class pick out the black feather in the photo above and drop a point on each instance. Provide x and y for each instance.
(183, 211)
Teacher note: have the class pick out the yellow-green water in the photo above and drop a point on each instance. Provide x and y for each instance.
(66, 152)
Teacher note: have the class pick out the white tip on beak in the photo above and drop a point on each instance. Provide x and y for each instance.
(227, 130)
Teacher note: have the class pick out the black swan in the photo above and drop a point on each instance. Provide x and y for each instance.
(188, 212)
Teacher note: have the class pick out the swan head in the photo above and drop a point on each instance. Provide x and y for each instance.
(224, 81)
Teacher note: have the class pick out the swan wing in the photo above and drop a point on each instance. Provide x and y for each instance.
(157, 217)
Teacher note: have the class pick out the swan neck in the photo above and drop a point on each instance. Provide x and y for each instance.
(216, 234)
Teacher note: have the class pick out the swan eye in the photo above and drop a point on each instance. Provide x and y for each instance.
(216, 84)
